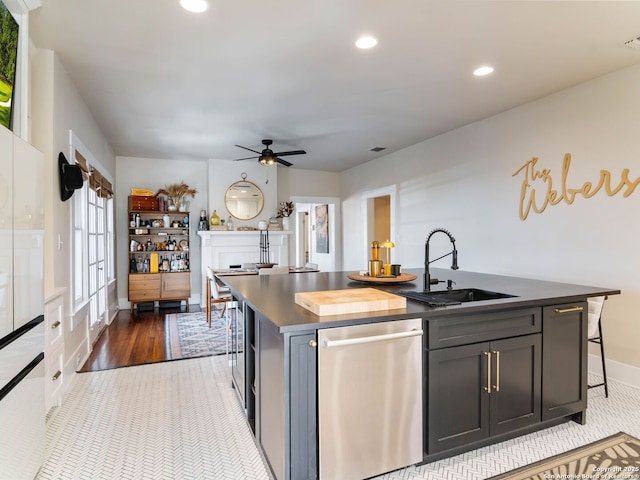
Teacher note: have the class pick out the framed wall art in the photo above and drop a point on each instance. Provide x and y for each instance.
(322, 228)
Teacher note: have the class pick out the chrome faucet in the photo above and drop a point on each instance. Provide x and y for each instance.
(454, 264)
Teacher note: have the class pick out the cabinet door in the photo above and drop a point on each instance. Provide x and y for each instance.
(6, 232)
(303, 394)
(144, 287)
(564, 360)
(176, 285)
(515, 383)
(28, 232)
(458, 402)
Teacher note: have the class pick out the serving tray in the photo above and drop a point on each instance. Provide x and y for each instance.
(403, 277)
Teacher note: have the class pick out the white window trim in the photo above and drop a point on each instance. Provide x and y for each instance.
(80, 302)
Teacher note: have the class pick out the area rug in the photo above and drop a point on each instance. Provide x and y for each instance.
(614, 457)
(187, 335)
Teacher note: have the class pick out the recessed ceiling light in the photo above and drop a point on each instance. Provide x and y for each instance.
(196, 6)
(482, 71)
(366, 41)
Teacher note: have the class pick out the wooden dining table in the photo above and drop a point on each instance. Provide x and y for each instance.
(254, 271)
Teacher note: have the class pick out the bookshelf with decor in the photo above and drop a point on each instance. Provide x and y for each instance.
(159, 242)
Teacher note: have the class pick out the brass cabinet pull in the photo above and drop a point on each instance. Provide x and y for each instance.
(313, 343)
(496, 387)
(488, 387)
(55, 324)
(56, 375)
(570, 309)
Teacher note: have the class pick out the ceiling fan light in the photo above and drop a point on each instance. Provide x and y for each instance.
(195, 6)
(266, 160)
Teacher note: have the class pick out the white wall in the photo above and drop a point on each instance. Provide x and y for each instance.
(56, 108)
(154, 174)
(307, 183)
(462, 181)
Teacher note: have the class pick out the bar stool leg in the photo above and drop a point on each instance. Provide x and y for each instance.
(604, 368)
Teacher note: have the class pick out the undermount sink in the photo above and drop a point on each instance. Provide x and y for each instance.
(453, 297)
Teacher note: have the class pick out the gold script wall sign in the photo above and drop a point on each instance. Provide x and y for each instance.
(566, 194)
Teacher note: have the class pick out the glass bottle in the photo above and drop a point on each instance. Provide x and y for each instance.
(230, 225)
(375, 250)
(215, 218)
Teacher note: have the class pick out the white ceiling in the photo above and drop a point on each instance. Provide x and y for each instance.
(165, 83)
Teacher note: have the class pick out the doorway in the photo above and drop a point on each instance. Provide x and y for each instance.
(317, 233)
(379, 217)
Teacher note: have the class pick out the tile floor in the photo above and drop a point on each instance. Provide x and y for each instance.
(182, 420)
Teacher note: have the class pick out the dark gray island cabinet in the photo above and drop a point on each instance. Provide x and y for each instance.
(491, 370)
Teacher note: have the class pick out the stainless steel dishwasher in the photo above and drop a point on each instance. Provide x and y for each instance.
(370, 398)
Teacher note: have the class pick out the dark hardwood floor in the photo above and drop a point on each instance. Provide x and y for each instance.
(131, 340)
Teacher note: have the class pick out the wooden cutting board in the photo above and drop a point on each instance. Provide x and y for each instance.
(351, 300)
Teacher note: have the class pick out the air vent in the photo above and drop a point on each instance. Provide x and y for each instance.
(633, 43)
(377, 149)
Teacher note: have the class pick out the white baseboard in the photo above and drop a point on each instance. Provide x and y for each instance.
(620, 372)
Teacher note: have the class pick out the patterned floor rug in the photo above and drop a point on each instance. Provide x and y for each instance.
(614, 457)
(188, 335)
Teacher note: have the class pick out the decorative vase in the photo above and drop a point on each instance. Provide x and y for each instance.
(215, 219)
(166, 220)
(286, 223)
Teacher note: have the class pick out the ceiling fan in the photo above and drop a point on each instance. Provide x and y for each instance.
(268, 157)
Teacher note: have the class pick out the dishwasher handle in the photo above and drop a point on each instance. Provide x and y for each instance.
(375, 338)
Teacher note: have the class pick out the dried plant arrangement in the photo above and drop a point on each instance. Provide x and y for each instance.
(177, 191)
(285, 209)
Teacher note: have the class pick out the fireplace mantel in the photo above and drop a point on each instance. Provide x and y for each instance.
(220, 249)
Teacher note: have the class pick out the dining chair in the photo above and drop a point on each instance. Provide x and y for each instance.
(594, 335)
(275, 270)
(215, 294)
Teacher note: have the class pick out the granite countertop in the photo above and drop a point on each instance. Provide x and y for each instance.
(274, 296)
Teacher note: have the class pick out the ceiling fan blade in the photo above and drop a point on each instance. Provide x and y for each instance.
(254, 151)
(292, 152)
(283, 162)
(247, 158)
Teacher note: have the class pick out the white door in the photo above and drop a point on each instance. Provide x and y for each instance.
(97, 266)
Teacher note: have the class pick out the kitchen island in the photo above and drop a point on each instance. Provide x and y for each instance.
(488, 370)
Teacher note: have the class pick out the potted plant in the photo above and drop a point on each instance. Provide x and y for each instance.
(285, 209)
(177, 193)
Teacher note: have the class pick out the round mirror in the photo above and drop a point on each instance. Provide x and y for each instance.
(244, 199)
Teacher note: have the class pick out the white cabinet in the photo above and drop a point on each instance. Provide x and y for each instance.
(6, 232)
(22, 326)
(28, 232)
(21, 232)
(54, 348)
